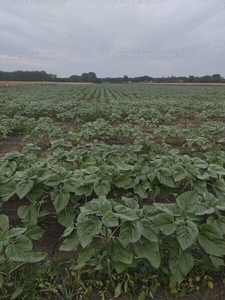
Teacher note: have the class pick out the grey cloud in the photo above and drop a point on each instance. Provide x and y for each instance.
(90, 30)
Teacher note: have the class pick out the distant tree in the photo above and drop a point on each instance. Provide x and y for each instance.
(75, 78)
(125, 78)
(206, 79)
(91, 77)
(97, 80)
(88, 77)
(216, 78)
(84, 77)
(191, 78)
(145, 78)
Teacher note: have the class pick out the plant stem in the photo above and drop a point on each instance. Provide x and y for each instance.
(6, 265)
(107, 250)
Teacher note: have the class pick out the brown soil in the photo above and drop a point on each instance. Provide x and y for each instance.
(9, 144)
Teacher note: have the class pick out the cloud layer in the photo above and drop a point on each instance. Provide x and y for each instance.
(113, 37)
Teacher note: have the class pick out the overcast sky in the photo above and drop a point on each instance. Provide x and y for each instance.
(113, 37)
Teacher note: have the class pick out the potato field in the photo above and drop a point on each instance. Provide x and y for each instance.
(111, 191)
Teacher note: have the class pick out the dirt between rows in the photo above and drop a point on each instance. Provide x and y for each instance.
(16, 143)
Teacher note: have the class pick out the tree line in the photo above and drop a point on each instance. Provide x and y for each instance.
(92, 77)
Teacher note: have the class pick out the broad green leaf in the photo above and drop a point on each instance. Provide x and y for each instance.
(203, 176)
(219, 188)
(187, 233)
(170, 208)
(106, 206)
(8, 168)
(28, 213)
(84, 189)
(34, 232)
(119, 162)
(131, 203)
(149, 250)
(72, 184)
(92, 207)
(7, 190)
(68, 231)
(211, 240)
(202, 210)
(120, 180)
(179, 173)
(15, 232)
(119, 253)
(187, 200)
(217, 169)
(141, 296)
(180, 264)
(141, 191)
(154, 192)
(35, 192)
(210, 199)
(34, 257)
(199, 186)
(17, 293)
(92, 169)
(199, 163)
(102, 188)
(130, 232)
(219, 223)
(66, 217)
(87, 230)
(207, 262)
(125, 213)
(165, 191)
(164, 222)
(147, 230)
(217, 262)
(165, 177)
(4, 223)
(120, 267)
(24, 187)
(118, 290)
(70, 243)
(60, 199)
(52, 180)
(191, 170)
(21, 250)
(110, 220)
(18, 251)
(84, 256)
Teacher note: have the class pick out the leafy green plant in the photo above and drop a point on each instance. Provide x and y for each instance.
(123, 235)
(16, 248)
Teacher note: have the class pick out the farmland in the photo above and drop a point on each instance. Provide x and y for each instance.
(126, 180)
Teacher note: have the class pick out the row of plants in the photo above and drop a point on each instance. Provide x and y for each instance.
(136, 217)
(127, 227)
(205, 136)
(85, 103)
